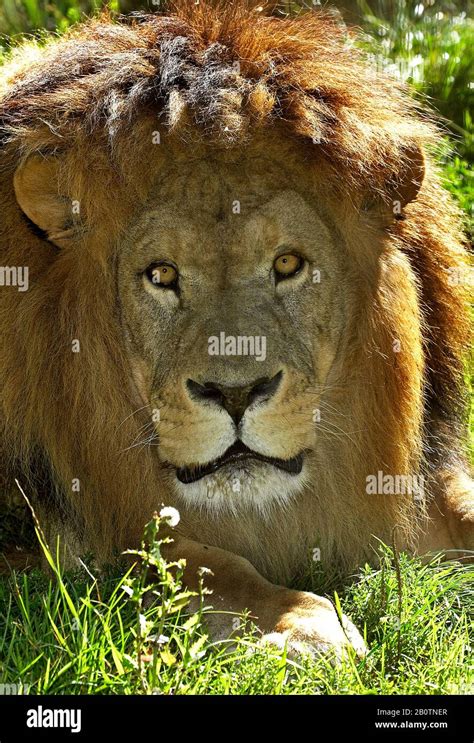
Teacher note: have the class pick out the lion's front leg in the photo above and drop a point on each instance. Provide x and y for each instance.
(450, 525)
(303, 621)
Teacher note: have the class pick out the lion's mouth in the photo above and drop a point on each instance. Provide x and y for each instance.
(237, 453)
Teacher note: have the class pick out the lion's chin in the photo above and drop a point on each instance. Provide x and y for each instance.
(238, 486)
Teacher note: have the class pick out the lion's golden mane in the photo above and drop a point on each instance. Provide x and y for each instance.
(92, 96)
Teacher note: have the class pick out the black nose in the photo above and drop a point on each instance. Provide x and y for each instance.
(236, 400)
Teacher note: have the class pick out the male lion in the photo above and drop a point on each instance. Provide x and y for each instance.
(245, 300)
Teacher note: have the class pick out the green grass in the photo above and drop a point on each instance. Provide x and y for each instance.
(79, 634)
(459, 180)
(19, 17)
(430, 47)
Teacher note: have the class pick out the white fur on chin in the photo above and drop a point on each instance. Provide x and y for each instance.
(238, 487)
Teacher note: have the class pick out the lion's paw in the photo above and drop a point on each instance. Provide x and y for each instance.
(311, 626)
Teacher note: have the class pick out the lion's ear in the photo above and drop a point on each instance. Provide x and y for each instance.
(400, 191)
(37, 191)
(405, 188)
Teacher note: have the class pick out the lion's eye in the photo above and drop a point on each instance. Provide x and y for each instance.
(162, 274)
(287, 265)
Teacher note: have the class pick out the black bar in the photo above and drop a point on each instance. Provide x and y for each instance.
(112, 718)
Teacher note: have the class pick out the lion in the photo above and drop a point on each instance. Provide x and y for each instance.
(240, 298)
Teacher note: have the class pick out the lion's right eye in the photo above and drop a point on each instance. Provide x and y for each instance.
(162, 274)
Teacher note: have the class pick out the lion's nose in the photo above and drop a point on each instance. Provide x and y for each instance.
(236, 400)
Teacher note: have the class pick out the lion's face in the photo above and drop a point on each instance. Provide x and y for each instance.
(232, 304)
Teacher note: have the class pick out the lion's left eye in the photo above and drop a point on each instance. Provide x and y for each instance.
(162, 274)
(287, 265)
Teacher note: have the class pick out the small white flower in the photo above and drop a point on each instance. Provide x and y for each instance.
(202, 571)
(170, 514)
(159, 639)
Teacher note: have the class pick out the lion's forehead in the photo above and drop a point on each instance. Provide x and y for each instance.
(241, 207)
(209, 184)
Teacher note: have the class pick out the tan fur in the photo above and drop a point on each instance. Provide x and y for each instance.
(299, 119)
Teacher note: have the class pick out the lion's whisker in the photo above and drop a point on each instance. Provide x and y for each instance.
(134, 412)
